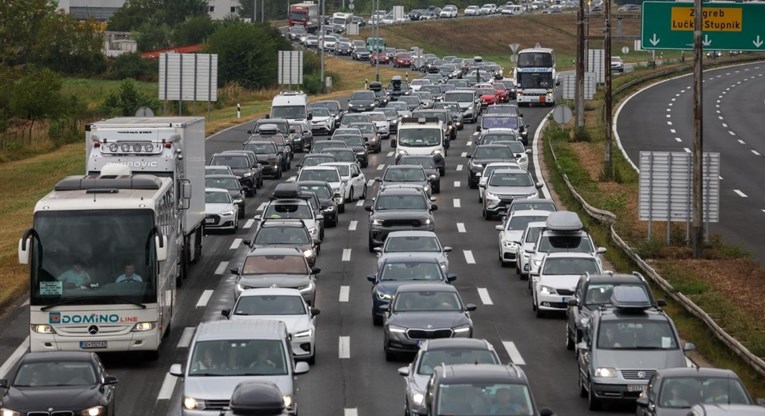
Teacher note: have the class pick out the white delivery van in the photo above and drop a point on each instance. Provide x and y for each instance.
(290, 105)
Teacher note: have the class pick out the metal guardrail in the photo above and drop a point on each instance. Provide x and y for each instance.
(609, 218)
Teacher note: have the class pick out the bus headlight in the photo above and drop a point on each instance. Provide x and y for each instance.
(42, 329)
(144, 326)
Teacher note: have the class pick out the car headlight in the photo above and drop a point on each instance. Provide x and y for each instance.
(383, 296)
(307, 288)
(227, 213)
(144, 326)
(377, 222)
(350, 104)
(547, 290)
(303, 334)
(288, 400)
(9, 412)
(43, 329)
(427, 221)
(190, 403)
(247, 174)
(583, 321)
(510, 244)
(360, 153)
(462, 329)
(418, 398)
(489, 195)
(402, 152)
(476, 165)
(312, 231)
(330, 208)
(308, 253)
(94, 411)
(436, 152)
(537, 263)
(606, 372)
(396, 329)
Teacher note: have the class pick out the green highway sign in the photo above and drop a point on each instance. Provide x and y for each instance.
(726, 26)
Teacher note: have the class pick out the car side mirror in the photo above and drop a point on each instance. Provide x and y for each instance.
(482, 184)
(434, 207)
(4, 383)
(299, 165)
(403, 371)
(368, 208)
(528, 151)
(110, 380)
(337, 195)
(371, 278)
(235, 271)
(225, 312)
(422, 412)
(451, 277)
(573, 302)
(315, 270)
(310, 116)
(689, 346)
(499, 227)
(539, 185)
(250, 131)
(393, 143)
(315, 311)
(355, 175)
(582, 346)
(601, 250)
(248, 243)
(546, 412)
(176, 370)
(642, 401)
(301, 367)
(448, 249)
(661, 302)
(478, 128)
(378, 180)
(469, 156)
(432, 178)
(470, 307)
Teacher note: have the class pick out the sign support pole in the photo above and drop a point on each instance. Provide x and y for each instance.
(607, 166)
(698, 209)
(579, 103)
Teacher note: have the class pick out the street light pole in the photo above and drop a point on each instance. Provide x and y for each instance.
(698, 142)
(579, 103)
(377, 39)
(608, 165)
(321, 33)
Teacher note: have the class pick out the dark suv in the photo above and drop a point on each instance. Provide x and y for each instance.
(399, 209)
(594, 291)
(269, 156)
(480, 389)
(241, 165)
(485, 154)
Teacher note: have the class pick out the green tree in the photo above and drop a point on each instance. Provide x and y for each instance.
(127, 100)
(247, 54)
(37, 95)
(150, 36)
(135, 13)
(131, 65)
(194, 30)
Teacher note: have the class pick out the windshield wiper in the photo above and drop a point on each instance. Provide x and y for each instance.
(75, 301)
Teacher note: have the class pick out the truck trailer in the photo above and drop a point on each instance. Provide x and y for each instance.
(305, 14)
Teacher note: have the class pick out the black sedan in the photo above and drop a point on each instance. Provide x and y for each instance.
(362, 101)
(428, 164)
(419, 312)
(327, 198)
(66, 383)
(485, 154)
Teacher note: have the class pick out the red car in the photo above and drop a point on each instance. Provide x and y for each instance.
(502, 92)
(379, 56)
(488, 95)
(402, 60)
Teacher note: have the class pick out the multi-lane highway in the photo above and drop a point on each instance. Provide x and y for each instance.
(660, 118)
(351, 376)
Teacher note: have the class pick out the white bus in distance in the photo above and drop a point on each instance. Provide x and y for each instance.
(535, 77)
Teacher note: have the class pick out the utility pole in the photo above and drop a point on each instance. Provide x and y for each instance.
(698, 143)
(254, 11)
(607, 166)
(377, 39)
(321, 32)
(579, 103)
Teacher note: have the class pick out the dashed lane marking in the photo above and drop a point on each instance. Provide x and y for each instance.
(360, 203)
(725, 125)
(381, 166)
(370, 182)
(739, 193)
(185, 340)
(679, 140)
(168, 385)
(484, 295)
(673, 131)
(456, 184)
(235, 244)
(756, 153)
(669, 123)
(512, 351)
(346, 254)
(732, 133)
(461, 227)
(221, 268)
(350, 412)
(457, 203)
(204, 298)
(459, 168)
(469, 256)
(344, 347)
(249, 224)
(390, 154)
(345, 293)
(687, 150)
(469, 143)
(352, 226)
(464, 154)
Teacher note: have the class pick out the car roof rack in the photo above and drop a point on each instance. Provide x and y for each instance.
(630, 299)
(564, 221)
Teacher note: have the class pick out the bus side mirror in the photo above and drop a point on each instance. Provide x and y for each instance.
(24, 245)
(160, 243)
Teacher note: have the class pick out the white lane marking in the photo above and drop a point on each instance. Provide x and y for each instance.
(344, 347)
(673, 99)
(459, 168)
(360, 203)
(512, 351)
(678, 94)
(756, 153)
(464, 154)
(235, 244)
(168, 385)
(350, 412)
(249, 224)
(390, 154)
(261, 207)
(457, 203)
(185, 340)
(719, 117)
(352, 226)
(221, 268)
(469, 143)
(484, 295)
(720, 177)
(678, 139)
(725, 125)
(461, 227)
(346, 254)
(469, 256)
(381, 166)
(669, 115)
(370, 182)
(673, 131)
(456, 184)
(669, 123)
(345, 293)
(14, 358)
(204, 298)
(739, 193)
(763, 210)
(731, 133)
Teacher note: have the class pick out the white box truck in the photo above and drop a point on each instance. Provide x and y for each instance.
(172, 147)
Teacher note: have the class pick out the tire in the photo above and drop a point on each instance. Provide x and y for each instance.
(541, 313)
(486, 214)
(371, 245)
(533, 303)
(471, 184)
(350, 196)
(569, 341)
(593, 403)
(390, 355)
(236, 226)
(480, 200)
(312, 359)
(241, 213)
(364, 194)
(377, 320)
(437, 189)
(582, 390)
(341, 208)
(442, 171)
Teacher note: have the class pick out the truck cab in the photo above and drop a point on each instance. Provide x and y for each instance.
(422, 136)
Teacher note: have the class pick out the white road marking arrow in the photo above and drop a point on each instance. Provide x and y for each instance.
(757, 42)
(654, 40)
(707, 41)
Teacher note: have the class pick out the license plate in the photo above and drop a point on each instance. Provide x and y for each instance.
(89, 345)
(636, 387)
(210, 221)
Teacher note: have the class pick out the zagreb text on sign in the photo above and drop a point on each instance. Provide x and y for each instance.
(714, 19)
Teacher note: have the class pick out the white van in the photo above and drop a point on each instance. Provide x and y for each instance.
(421, 136)
(225, 353)
(513, 10)
(290, 105)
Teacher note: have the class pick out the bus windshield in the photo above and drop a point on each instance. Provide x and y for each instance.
(535, 79)
(535, 60)
(94, 257)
